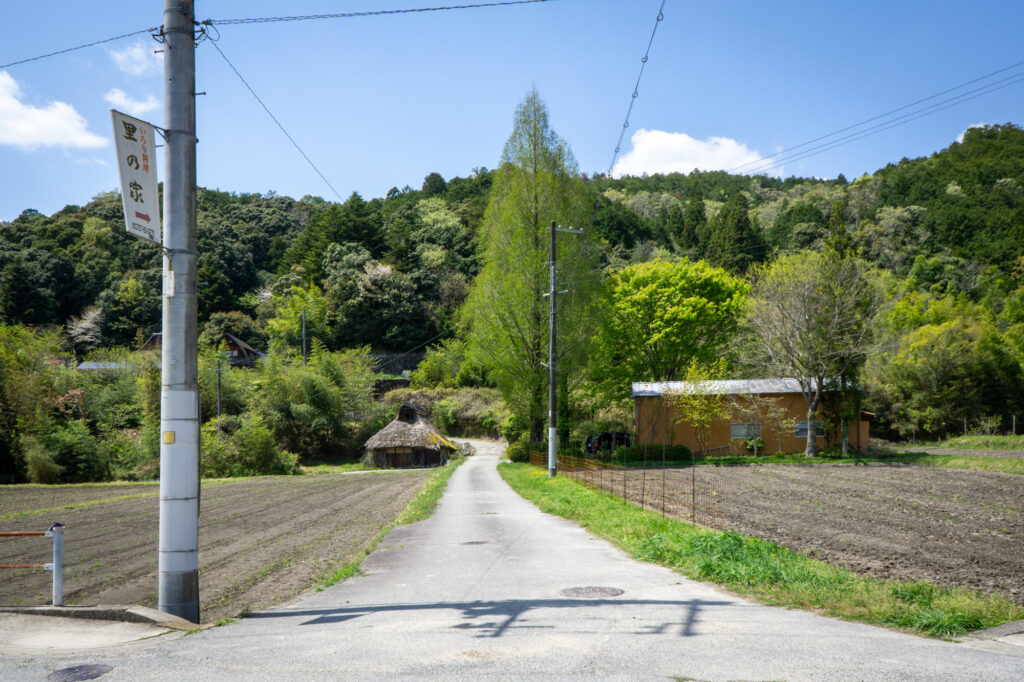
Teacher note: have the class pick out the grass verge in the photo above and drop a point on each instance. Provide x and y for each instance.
(1007, 465)
(316, 468)
(763, 570)
(984, 443)
(419, 508)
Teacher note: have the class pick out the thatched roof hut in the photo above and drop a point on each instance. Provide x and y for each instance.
(408, 441)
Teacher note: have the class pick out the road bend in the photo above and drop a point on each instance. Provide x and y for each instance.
(489, 587)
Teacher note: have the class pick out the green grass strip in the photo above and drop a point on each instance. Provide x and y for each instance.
(1009, 465)
(762, 570)
(75, 506)
(320, 468)
(984, 443)
(207, 482)
(418, 509)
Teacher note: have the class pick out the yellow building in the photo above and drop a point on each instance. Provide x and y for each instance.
(773, 409)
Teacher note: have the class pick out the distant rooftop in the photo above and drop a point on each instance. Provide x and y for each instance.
(643, 389)
(86, 366)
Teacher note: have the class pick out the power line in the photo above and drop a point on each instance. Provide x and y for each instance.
(408, 352)
(80, 47)
(883, 115)
(891, 123)
(274, 118)
(374, 13)
(636, 88)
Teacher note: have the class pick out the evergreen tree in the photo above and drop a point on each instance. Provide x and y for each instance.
(506, 311)
(839, 240)
(21, 300)
(694, 221)
(734, 242)
(354, 221)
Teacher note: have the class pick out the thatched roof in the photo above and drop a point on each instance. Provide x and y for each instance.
(410, 429)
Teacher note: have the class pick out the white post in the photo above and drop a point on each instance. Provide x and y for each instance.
(179, 396)
(56, 532)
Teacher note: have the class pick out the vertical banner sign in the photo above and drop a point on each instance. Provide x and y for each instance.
(136, 160)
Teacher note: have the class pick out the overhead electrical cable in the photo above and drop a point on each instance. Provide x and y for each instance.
(80, 47)
(410, 351)
(274, 118)
(886, 125)
(372, 13)
(883, 115)
(636, 87)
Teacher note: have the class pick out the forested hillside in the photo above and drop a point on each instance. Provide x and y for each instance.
(942, 236)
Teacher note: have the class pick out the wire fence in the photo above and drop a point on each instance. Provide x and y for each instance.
(675, 491)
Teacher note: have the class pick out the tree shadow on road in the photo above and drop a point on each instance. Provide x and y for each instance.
(495, 618)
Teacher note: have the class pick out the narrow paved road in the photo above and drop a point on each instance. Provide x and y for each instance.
(479, 591)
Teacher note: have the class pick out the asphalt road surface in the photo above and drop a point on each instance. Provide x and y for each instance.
(489, 587)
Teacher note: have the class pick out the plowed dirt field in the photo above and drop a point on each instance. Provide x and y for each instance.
(261, 540)
(950, 526)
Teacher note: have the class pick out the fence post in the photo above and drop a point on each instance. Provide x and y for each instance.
(56, 532)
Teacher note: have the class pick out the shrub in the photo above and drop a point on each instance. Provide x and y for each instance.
(457, 411)
(39, 464)
(513, 428)
(314, 410)
(518, 452)
(625, 454)
(77, 452)
(243, 446)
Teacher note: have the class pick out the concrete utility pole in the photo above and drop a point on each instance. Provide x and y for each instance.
(179, 394)
(552, 375)
(552, 356)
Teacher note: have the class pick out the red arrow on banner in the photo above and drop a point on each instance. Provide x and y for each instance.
(143, 216)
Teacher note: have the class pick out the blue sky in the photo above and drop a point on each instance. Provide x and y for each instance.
(378, 102)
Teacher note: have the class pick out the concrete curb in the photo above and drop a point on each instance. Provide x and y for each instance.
(1006, 629)
(125, 614)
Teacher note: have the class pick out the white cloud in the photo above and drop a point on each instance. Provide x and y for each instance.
(960, 137)
(123, 102)
(138, 59)
(658, 151)
(90, 162)
(27, 127)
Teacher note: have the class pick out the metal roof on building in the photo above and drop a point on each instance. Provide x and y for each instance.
(642, 389)
(88, 366)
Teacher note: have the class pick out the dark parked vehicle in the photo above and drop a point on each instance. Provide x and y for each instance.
(607, 441)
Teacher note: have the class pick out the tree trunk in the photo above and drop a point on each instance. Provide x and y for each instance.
(537, 429)
(538, 416)
(844, 420)
(812, 428)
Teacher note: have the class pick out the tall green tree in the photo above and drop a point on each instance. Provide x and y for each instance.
(662, 318)
(506, 312)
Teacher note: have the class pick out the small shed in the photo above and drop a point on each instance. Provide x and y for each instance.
(239, 353)
(408, 441)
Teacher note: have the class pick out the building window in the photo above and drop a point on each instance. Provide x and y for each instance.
(744, 431)
(801, 429)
